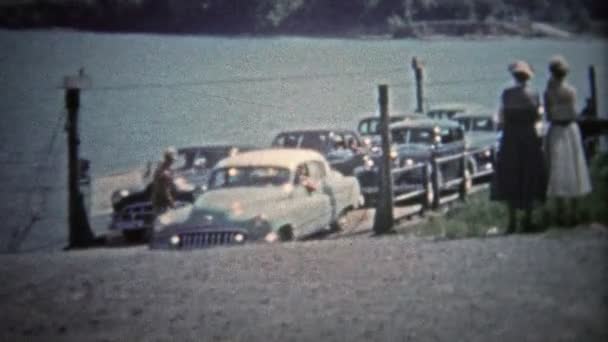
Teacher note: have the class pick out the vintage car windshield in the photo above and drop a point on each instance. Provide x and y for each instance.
(413, 136)
(372, 126)
(313, 140)
(253, 176)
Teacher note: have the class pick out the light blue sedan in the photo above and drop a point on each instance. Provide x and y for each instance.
(265, 195)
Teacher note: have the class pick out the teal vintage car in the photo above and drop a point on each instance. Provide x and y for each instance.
(482, 136)
(266, 195)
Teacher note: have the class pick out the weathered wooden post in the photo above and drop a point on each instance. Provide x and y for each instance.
(383, 219)
(418, 73)
(80, 234)
(435, 182)
(593, 87)
(462, 191)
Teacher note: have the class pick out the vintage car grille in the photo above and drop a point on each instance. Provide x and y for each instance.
(208, 239)
(138, 211)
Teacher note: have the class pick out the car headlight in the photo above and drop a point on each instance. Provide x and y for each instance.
(409, 162)
(174, 240)
(487, 153)
(239, 238)
(271, 237)
(119, 195)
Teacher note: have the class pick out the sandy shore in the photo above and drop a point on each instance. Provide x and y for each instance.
(549, 287)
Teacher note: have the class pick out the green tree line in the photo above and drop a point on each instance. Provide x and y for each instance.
(286, 16)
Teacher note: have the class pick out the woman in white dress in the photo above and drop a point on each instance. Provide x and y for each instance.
(568, 172)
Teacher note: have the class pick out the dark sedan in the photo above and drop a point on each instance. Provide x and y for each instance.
(342, 148)
(133, 214)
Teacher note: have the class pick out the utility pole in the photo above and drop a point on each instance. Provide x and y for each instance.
(418, 73)
(80, 234)
(383, 219)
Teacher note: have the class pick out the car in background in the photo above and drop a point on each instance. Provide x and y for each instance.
(342, 148)
(369, 127)
(133, 214)
(446, 111)
(269, 195)
(482, 137)
(417, 142)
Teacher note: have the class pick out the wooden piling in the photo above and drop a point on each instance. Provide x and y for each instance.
(383, 219)
(435, 183)
(80, 234)
(418, 73)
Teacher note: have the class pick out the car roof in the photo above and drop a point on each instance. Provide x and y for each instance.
(424, 123)
(212, 148)
(395, 116)
(280, 157)
(317, 131)
(487, 114)
(455, 106)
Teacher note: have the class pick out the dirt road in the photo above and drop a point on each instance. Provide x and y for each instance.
(549, 287)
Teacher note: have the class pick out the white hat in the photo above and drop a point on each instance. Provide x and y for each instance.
(521, 67)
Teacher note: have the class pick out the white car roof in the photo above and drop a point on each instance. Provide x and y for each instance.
(279, 157)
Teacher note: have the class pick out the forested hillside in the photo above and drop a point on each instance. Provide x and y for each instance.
(310, 17)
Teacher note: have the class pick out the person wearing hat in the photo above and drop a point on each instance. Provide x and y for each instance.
(520, 177)
(568, 173)
(162, 184)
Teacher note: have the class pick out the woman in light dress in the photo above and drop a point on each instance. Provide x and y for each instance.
(568, 173)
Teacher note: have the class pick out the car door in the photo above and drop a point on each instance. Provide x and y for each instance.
(452, 143)
(311, 208)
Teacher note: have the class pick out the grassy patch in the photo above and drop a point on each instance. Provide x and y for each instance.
(480, 217)
(476, 217)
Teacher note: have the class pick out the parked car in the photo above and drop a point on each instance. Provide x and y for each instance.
(133, 214)
(482, 136)
(265, 195)
(342, 148)
(416, 142)
(369, 127)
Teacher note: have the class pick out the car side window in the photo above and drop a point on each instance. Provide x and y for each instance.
(364, 127)
(316, 170)
(302, 173)
(351, 141)
(446, 136)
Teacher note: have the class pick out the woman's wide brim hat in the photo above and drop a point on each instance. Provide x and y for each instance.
(521, 67)
(558, 64)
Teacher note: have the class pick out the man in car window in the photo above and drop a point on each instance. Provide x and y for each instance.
(162, 185)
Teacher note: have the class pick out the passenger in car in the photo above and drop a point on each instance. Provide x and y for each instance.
(520, 177)
(303, 178)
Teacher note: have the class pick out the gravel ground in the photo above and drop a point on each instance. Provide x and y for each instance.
(549, 287)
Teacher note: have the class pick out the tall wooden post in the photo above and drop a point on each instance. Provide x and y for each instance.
(383, 219)
(418, 73)
(593, 87)
(80, 234)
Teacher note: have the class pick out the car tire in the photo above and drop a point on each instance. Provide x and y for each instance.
(340, 223)
(286, 234)
(136, 235)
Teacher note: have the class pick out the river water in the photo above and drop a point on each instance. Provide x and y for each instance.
(149, 91)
